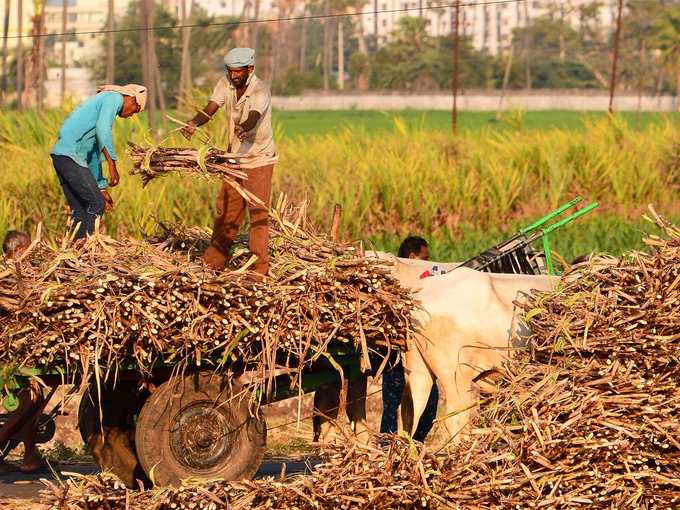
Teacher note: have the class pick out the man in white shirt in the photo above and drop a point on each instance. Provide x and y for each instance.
(247, 101)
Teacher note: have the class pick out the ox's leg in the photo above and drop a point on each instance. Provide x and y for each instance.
(461, 398)
(326, 405)
(417, 388)
(356, 406)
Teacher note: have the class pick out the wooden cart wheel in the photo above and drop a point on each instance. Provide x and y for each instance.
(111, 441)
(199, 426)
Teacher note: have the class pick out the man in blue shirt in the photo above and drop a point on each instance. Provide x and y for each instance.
(84, 136)
(393, 382)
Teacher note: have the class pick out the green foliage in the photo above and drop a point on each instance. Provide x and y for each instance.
(208, 45)
(413, 60)
(464, 193)
(359, 64)
(294, 82)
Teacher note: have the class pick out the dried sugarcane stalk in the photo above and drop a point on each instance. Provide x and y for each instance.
(589, 417)
(152, 162)
(114, 303)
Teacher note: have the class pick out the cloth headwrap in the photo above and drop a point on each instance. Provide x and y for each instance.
(240, 57)
(131, 89)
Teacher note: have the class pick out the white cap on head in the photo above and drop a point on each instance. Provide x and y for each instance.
(131, 89)
(240, 57)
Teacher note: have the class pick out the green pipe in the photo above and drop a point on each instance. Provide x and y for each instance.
(548, 255)
(550, 216)
(570, 218)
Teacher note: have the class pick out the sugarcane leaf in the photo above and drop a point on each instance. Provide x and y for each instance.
(200, 158)
(232, 345)
(146, 162)
(533, 313)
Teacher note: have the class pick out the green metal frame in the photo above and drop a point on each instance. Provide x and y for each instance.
(544, 233)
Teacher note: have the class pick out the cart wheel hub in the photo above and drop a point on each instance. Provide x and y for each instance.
(201, 435)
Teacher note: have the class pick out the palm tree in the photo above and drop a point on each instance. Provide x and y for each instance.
(20, 55)
(111, 46)
(667, 39)
(64, 17)
(185, 70)
(5, 29)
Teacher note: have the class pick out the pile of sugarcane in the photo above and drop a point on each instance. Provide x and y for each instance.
(152, 162)
(398, 475)
(119, 302)
(587, 417)
(590, 415)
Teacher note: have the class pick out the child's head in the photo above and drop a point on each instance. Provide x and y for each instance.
(15, 243)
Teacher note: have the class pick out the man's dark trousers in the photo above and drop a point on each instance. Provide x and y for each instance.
(82, 193)
(392, 388)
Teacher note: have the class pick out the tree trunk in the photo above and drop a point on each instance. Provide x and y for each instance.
(64, 17)
(241, 35)
(20, 55)
(362, 78)
(506, 79)
(360, 35)
(34, 72)
(641, 56)
(677, 79)
(660, 79)
(147, 72)
(110, 46)
(40, 95)
(153, 60)
(527, 49)
(256, 26)
(303, 45)
(5, 30)
(341, 55)
(562, 42)
(615, 57)
(454, 78)
(601, 78)
(326, 47)
(185, 71)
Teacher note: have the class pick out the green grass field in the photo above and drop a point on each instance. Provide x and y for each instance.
(311, 123)
(394, 176)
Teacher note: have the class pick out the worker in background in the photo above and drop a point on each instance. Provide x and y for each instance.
(23, 422)
(84, 137)
(413, 247)
(247, 103)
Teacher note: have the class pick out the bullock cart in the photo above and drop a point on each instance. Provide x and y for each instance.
(175, 361)
(165, 425)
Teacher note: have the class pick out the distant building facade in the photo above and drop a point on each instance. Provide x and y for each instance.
(489, 25)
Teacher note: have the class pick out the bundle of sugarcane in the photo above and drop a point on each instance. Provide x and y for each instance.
(152, 162)
(399, 475)
(591, 415)
(120, 302)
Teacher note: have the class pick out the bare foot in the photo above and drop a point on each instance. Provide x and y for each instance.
(33, 464)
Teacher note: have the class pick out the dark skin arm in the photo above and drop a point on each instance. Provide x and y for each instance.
(114, 178)
(201, 118)
(241, 129)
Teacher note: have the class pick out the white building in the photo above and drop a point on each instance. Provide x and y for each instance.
(489, 25)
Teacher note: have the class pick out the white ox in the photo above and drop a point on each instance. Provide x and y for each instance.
(468, 324)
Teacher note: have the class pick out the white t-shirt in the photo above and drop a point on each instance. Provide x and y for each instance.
(259, 141)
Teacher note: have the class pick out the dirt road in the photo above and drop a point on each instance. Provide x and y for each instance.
(27, 487)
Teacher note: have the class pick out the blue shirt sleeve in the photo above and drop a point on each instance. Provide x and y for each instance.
(107, 114)
(94, 163)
